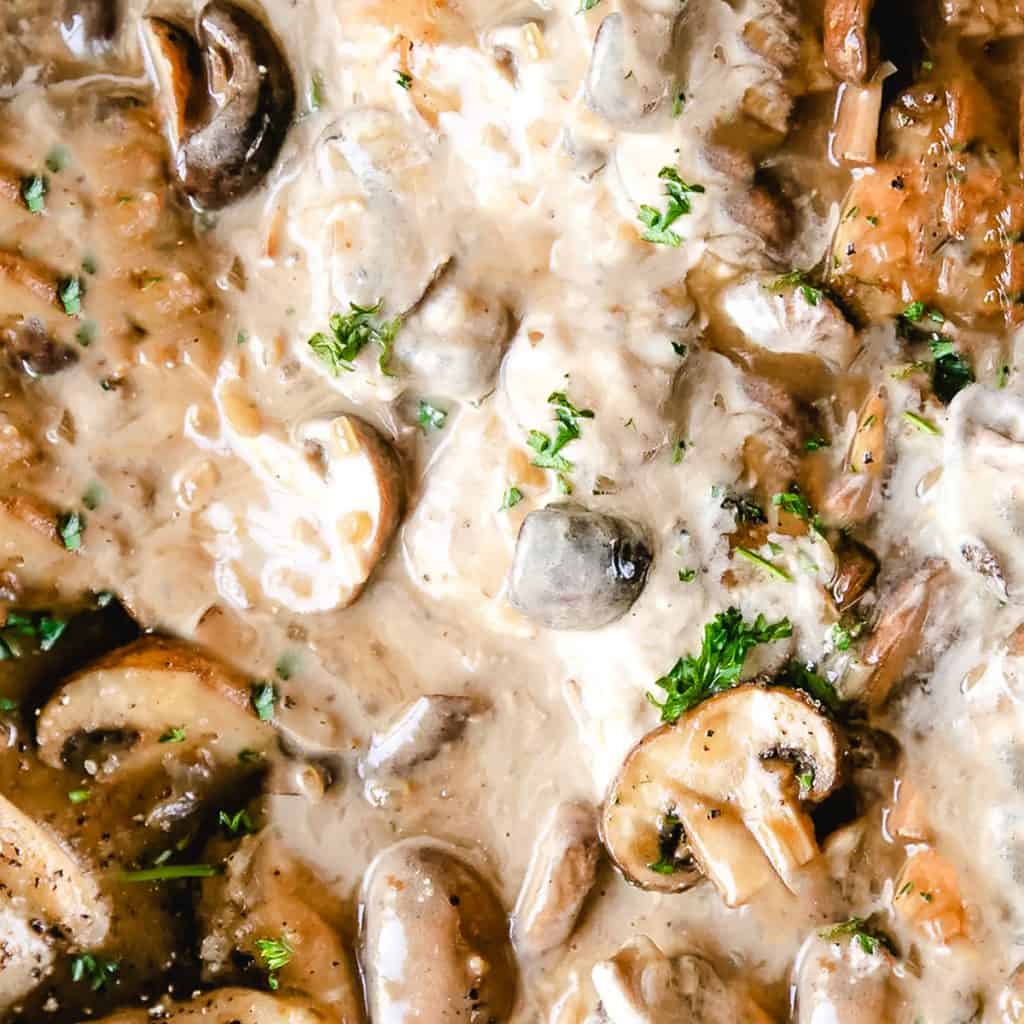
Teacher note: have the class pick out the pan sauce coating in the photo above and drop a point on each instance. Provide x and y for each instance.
(319, 322)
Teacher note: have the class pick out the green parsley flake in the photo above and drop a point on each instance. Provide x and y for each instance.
(175, 734)
(816, 444)
(315, 95)
(70, 526)
(69, 292)
(860, 932)
(798, 280)
(275, 955)
(237, 824)
(587, 5)
(547, 448)
(79, 796)
(33, 192)
(6, 704)
(403, 79)
(93, 969)
(511, 498)
(351, 333)
(264, 697)
(678, 101)
(687, 575)
(727, 641)
(763, 563)
(430, 417)
(657, 223)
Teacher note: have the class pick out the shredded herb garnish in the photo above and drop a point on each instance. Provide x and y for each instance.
(430, 417)
(805, 678)
(95, 970)
(175, 734)
(657, 223)
(169, 873)
(799, 280)
(33, 192)
(316, 91)
(670, 835)
(687, 575)
(70, 526)
(860, 932)
(264, 697)
(747, 510)
(511, 498)
(403, 79)
(238, 824)
(547, 448)
(951, 373)
(275, 955)
(793, 502)
(79, 796)
(762, 563)
(815, 443)
(925, 426)
(69, 292)
(727, 641)
(351, 333)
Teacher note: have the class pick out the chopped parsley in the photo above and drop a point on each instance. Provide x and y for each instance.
(843, 636)
(1003, 377)
(805, 780)
(547, 449)
(351, 333)
(264, 697)
(44, 629)
(657, 223)
(69, 293)
(69, 527)
(679, 450)
(275, 954)
(925, 426)
(793, 502)
(95, 970)
(169, 873)
(79, 796)
(747, 511)
(762, 563)
(860, 932)
(805, 678)
(814, 444)
(175, 734)
(430, 417)
(403, 79)
(918, 311)
(670, 835)
(951, 373)
(33, 192)
(587, 5)
(315, 96)
(511, 498)
(6, 704)
(798, 280)
(678, 101)
(238, 824)
(727, 641)
(687, 575)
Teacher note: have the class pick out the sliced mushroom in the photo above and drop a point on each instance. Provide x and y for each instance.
(31, 351)
(453, 343)
(640, 985)
(44, 893)
(789, 318)
(419, 734)
(561, 874)
(613, 88)
(435, 940)
(850, 53)
(264, 893)
(897, 634)
(715, 793)
(842, 980)
(577, 569)
(88, 26)
(228, 122)
(229, 1006)
(123, 704)
(856, 569)
(854, 495)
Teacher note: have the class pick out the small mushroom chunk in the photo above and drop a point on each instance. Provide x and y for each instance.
(31, 351)
(789, 318)
(561, 874)
(435, 940)
(264, 894)
(453, 343)
(229, 100)
(577, 569)
(40, 882)
(715, 793)
(419, 734)
(854, 495)
(640, 985)
(897, 634)
(119, 708)
(88, 26)
(229, 1006)
(842, 980)
(850, 53)
(623, 83)
(856, 569)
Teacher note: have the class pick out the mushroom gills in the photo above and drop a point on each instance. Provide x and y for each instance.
(577, 569)
(434, 945)
(228, 110)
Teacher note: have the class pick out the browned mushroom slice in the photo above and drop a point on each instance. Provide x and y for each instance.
(244, 101)
(854, 495)
(435, 940)
(897, 634)
(264, 894)
(33, 277)
(30, 350)
(121, 707)
(849, 50)
(856, 569)
(561, 874)
(230, 1006)
(719, 786)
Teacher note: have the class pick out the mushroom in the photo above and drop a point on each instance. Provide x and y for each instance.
(419, 734)
(850, 52)
(228, 98)
(843, 979)
(640, 985)
(613, 87)
(897, 634)
(453, 343)
(123, 704)
(263, 893)
(855, 571)
(790, 317)
(562, 872)
(88, 26)
(854, 495)
(228, 1006)
(434, 944)
(998, 19)
(716, 794)
(577, 569)
(31, 351)
(40, 882)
